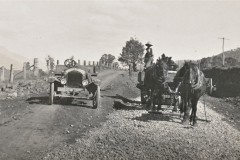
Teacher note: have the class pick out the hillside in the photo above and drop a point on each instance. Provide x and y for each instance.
(8, 58)
(232, 59)
(235, 53)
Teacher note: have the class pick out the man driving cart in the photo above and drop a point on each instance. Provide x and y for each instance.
(148, 58)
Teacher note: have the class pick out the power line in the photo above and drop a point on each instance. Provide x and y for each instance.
(223, 55)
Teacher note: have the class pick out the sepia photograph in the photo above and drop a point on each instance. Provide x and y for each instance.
(119, 79)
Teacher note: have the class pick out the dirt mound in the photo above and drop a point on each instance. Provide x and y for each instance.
(233, 100)
(226, 81)
(23, 88)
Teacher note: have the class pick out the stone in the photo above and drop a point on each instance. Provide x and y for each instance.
(12, 95)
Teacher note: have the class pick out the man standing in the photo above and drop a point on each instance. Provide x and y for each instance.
(148, 59)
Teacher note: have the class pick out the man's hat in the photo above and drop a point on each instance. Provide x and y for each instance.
(148, 44)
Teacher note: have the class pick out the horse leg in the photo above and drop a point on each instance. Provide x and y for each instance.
(159, 104)
(159, 101)
(155, 102)
(194, 112)
(181, 107)
(151, 100)
(187, 107)
(176, 104)
(148, 102)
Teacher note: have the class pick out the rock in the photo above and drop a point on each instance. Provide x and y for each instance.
(3, 88)
(15, 118)
(20, 94)
(12, 95)
(67, 131)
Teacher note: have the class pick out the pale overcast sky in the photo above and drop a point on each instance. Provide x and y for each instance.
(88, 29)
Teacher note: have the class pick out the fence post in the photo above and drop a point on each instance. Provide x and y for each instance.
(2, 74)
(99, 65)
(94, 69)
(11, 74)
(24, 70)
(36, 70)
(84, 62)
(130, 69)
(57, 62)
(93, 63)
(79, 62)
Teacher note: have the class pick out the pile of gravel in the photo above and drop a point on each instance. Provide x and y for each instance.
(233, 100)
(136, 134)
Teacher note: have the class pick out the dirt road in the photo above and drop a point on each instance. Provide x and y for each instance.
(31, 127)
(132, 133)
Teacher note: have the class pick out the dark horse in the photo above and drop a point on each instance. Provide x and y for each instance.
(193, 86)
(155, 76)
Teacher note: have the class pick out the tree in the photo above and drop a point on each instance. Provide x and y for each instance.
(115, 65)
(216, 61)
(231, 62)
(107, 59)
(132, 53)
(205, 63)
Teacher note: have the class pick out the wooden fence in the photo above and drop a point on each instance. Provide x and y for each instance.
(32, 71)
(11, 74)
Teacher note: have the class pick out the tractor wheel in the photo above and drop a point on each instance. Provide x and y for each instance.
(96, 98)
(51, 95)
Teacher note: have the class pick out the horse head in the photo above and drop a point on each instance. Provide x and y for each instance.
(192, 74)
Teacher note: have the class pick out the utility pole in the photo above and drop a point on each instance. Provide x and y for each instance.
(223, 56)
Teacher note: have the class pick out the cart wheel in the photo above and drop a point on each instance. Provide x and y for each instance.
(143, 99)
(51, 95)
(144, 94)
(96, 98)
(176, 106)
(210, 86)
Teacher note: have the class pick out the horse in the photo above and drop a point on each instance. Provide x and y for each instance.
(178, 83)
(155, 76)
(193, 86)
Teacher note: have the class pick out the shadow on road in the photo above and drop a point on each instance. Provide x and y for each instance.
(38, 100)
(120, 105)
(44, 100)
(158, 116)
(124, 99)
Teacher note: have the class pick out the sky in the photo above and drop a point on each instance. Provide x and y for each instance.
(87, 29)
